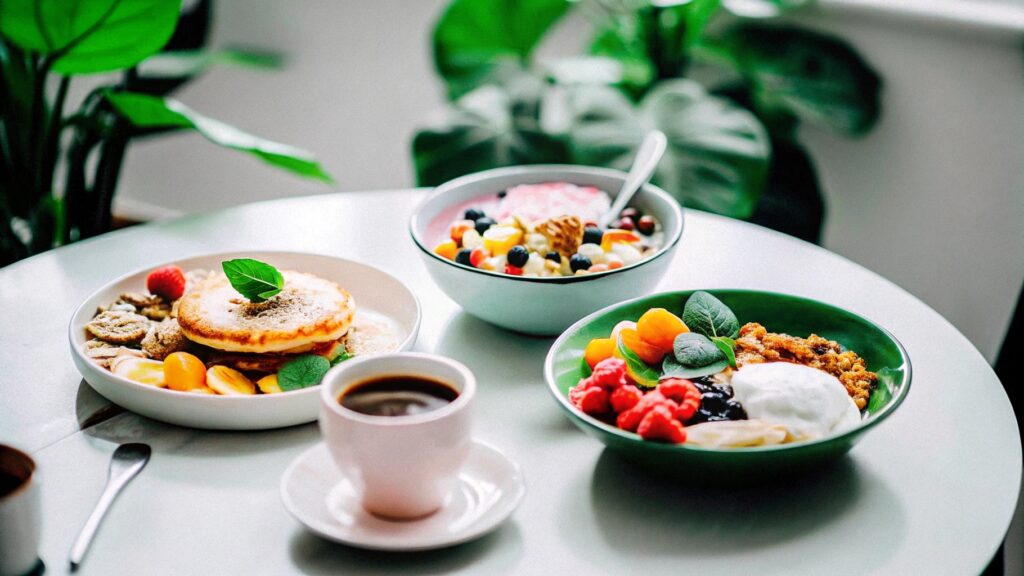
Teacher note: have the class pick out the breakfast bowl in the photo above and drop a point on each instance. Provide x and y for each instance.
(379, 302)
(541, 304)
(567, 365)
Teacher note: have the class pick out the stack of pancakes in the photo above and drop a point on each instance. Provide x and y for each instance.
(309, 316)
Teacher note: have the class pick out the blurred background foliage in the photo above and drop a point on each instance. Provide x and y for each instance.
(726, 81)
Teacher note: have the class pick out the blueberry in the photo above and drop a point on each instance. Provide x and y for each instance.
(592, 235)
(554, 257)
(503, 193)
(463, 257)
(579, 262)
(474, 214)
(518, 256)
(483, 223)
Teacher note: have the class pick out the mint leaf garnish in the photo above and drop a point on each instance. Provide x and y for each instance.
(305, 371)
(253, 279)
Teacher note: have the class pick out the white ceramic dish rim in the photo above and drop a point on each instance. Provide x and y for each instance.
(158, 392)
(862, 427)
(649, 188)
(377, 544)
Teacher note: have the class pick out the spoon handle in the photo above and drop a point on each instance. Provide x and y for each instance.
(647, 157)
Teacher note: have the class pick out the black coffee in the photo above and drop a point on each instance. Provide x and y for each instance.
(397, 396)
(9, 483)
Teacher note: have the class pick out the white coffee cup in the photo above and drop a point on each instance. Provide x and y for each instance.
(20, 514)
(402, 467)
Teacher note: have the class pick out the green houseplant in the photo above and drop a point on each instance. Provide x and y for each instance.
(733, 144)
(59, 164)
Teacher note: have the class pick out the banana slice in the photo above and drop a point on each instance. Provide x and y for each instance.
(228, 381)
(141, 370)
(268, 384)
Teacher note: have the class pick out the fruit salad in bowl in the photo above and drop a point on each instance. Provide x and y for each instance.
(520, 247)
(236, 341)
(730, 384)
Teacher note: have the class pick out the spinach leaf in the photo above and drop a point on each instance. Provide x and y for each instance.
(695, 350)
(726, 345)
(707, 315)
(641, 373)
(253, 279)
(305, 371)
(671, 368)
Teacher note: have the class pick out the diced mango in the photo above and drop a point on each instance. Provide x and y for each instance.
(447, 249)
(614, 236)
(498, 240)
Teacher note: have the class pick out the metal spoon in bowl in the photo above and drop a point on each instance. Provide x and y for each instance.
(647, 158)
(127, 461)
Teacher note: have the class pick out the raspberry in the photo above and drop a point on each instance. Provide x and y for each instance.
(659, 424)
(684, 394)
(625, 397)
(168, 282)
(610, 373)
(577, 391)
(595, 402)
(630, 419)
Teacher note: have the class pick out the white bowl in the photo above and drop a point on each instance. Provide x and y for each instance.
(374, 291)
(544, 306)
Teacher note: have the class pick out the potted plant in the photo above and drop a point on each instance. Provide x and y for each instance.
(44, 46)
(733, 142)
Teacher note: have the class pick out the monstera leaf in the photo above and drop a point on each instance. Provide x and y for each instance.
(474, 35)
(492, 126)
(791, 71)
(717, 153)
(87, 36)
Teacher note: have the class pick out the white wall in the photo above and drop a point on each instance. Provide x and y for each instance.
(932, 199)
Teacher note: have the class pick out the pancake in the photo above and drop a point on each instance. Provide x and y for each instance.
(308, 311)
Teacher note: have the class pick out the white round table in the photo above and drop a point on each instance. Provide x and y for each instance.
(930, 491)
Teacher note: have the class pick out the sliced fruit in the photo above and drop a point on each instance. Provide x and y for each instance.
(615, 236)
(268, 384)
(598, 349)
(228, 381)
(203, 390)
(659, 327)
(459, 228)
(498, 240)
(141, 370)
(447, 249)
(477, 257)
(184, 372)
(621, 326)
(644, 350)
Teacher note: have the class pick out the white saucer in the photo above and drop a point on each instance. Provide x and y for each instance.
(490, 487)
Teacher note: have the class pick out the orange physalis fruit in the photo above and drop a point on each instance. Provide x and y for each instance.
(660, 327)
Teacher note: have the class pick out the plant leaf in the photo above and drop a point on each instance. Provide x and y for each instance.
(474, 35)
(184, 63)
(707, 315)
(145, 111)
(642, 373)
(671, 368)
(726, 345)
(253, 279)
(305, 371)
(814, 77)
(89, 36)
(717, 153)
(695, 350)
(490, 127)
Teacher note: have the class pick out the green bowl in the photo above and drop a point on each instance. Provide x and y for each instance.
(794, 315)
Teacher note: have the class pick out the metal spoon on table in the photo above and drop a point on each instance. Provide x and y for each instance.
(127, 461)
(647, 158)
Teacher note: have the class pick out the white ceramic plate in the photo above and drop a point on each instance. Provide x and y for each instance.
(376, 293)
(490, 488)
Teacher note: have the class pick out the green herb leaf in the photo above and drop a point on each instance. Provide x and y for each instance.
(253, 279)
(642, 373)
(671, 368)
(145, 111)
(305, 371)
(89, 36)
(707, 315)
(695, 350)
(726, 345)
(340, 358)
